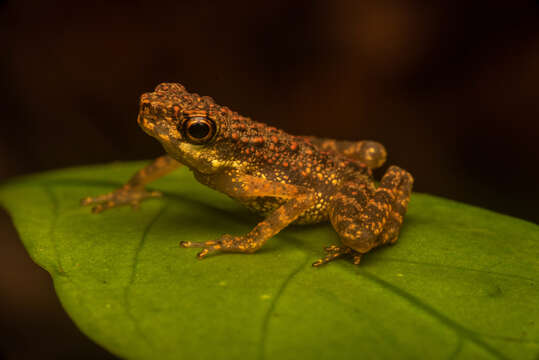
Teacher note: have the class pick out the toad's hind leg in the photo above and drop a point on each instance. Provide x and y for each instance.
(366, 218)
(370, 153)
(402, 192)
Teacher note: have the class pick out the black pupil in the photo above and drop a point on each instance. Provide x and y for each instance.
(199, 129)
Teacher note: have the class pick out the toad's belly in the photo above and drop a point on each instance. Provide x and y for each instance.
(265, 205)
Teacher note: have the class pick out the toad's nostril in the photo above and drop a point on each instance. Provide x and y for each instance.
(145, 106)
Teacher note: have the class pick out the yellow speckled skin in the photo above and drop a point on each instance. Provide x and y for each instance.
(286, 178)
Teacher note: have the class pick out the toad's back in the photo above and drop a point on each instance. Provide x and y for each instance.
(265, 152)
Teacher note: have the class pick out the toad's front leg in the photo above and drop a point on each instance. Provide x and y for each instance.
(134, 191)
(242, 186)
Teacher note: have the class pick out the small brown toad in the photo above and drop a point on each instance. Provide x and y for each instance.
(287, 179)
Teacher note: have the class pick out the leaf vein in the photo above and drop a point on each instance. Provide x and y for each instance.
(458, 349)
(460, 268)
(271, 309)
(52, 230)
(452, 324)
(132, 276)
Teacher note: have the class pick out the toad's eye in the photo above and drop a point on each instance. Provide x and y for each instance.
(199, 129)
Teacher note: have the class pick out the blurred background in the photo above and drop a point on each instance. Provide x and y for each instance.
(450, 88)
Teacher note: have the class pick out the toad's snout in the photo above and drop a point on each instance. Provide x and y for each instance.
(146, 125)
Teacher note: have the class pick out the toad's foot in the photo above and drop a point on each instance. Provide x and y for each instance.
(227, 243)
(124, 196)
(335, 252)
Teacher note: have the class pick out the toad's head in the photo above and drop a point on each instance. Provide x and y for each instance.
(187, 125)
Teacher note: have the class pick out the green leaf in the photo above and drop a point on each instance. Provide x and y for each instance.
(461, 283)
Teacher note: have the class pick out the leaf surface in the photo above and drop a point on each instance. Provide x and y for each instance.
(461, 283)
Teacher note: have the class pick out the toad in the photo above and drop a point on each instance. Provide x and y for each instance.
(285, 178)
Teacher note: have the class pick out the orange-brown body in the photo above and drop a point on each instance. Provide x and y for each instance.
(283, 177)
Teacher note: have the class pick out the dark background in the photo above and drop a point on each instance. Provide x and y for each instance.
(451, 89)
